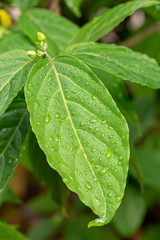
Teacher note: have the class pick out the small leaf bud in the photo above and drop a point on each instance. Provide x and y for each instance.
(40, 53)
(41, 36)
(31, 54)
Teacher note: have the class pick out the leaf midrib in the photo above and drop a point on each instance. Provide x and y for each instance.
(74, 129)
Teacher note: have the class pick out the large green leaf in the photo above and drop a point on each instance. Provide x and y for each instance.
(81, 131)
(104, 23)
(14, 124)
(58, 30)
(8, 232)
(75, 6)
(15, 41)
(13, 71)
(119, 61)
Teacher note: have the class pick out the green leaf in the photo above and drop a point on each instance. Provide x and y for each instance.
(104, 23)
(74, 5)
(131, 213)
(81, 131)
(58, 30)
(23, 5)
(15, 41)
(154, 11)
(120, 61)
(150, 169)
(13, 71)
(14, 124)
(117, 90)
(8, 232)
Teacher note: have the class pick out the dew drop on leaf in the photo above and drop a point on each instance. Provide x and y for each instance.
(48, 118)
(109, 154)
(88, 185)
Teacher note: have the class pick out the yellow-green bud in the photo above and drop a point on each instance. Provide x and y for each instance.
(31, 53)
(41, 36)
(40, 53)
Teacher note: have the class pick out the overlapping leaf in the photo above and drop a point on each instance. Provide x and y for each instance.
(13, 71)
(14, 124)
(104, 23)
(81, 131)
(58, 30)
(9, 232)
(119, 61)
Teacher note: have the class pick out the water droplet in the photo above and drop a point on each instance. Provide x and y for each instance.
(108, 154)
(100, 159)
(116, 150)
(110, 194)
(96, 130)
(110, 128)
(93, 120)
(102, 135)
(121, 158)
(74, 91)
(57, 115)
(92, 159)
(48, 118)
(94, 98)
(109, 184)
(93, 150)
(103, 171)
(88, 185)
(81, 124)
(118, 199)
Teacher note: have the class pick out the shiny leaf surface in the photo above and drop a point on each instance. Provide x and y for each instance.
(81, 131)
(119, 61)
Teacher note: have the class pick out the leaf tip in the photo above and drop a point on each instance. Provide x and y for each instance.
(98, 222)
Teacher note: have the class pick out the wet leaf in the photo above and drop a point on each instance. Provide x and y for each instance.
(81, 131)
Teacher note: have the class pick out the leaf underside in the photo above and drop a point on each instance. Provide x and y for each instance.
(81, 131)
